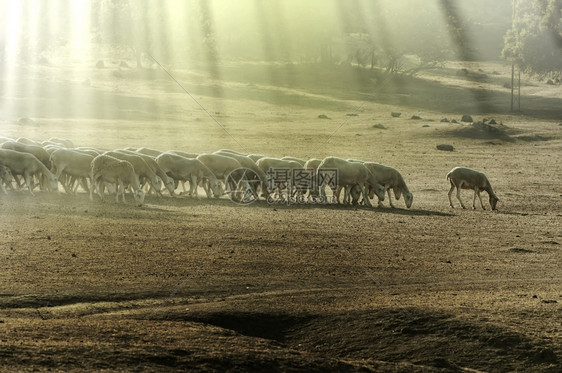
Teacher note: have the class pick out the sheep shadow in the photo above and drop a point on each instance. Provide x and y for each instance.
(343, 207)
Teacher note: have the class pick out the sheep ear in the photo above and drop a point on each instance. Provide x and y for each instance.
(397, 192)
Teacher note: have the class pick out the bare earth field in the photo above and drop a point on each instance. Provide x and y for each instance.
(209, 285)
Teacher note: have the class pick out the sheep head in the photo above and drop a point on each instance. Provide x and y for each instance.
(139, 197)
(379, 190)
(493, 201)
(409, 199)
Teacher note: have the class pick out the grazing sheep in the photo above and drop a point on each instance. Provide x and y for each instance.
(151, 162)
(267, 163)
(256, 177)
(142, 169)
(105, 168)
(466, 178)
(36, 150)
(312, 164)
(28, 166)
(183, 169)
(349, 174)
(227, 169)
(279, 178)
(99, 162)
(390, 178)
(73, 164)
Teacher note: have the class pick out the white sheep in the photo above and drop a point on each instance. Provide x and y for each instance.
(28, 166)
(36, 150)
(142, 169)
(105, 168)
(74, 164)
(312, 165)
(466, 178)
(151, 162)
(278, 173)
(227, 169)
(189, 169)
(390, 178)
(100, 161)
(256, 176)
(349, 174)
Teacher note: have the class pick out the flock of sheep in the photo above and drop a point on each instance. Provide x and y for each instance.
(142, 170)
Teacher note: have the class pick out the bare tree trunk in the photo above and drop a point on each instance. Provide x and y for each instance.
(519, 91)
(512, 82)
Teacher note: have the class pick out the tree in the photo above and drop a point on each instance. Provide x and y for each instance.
(131, 24)
(534, 42)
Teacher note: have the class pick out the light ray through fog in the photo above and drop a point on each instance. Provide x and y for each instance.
(11, 34)
(211, 37)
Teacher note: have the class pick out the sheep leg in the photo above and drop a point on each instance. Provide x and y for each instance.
(390, 198)
(92, 187)
(84, 184)
(206, 187)
(459, 195)
(153, 187)
(18, 182)
(322, 192)
(346, 195)
(338, 192)
(365, 196)
(449, 194)
(480, 198)
(101, 189)
(29, 181)
(193, 184)
(123, 190)
(206, 184)
(68, 183)
(120, 187)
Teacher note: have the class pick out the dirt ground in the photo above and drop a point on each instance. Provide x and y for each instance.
(210, 285)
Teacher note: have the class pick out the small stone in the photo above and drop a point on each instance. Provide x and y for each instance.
(466, 118)
(445, 147)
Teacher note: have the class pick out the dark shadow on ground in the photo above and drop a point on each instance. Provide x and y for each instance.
(423, 337)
